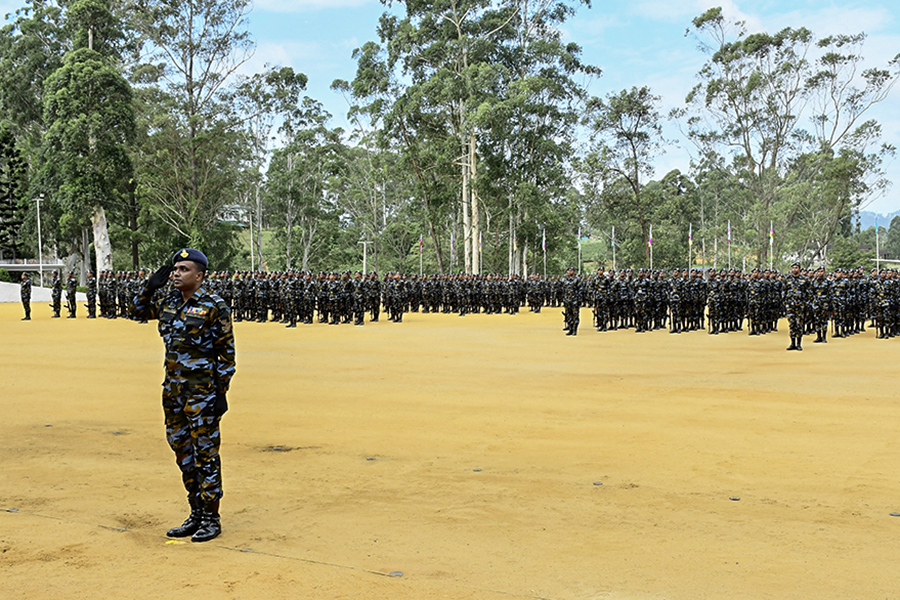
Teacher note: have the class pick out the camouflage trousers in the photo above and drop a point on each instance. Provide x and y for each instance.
(571, 317)
(193, 434)
(795, 322)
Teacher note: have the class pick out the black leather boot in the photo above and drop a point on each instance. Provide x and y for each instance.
(793, 345)
(191, 524)
(210, 525)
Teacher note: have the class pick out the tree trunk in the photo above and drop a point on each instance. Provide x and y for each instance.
(85, 256)
(259, 253)
(102, 245)
(467, 221)
(466, 174)
(512, 232)
(476, 226)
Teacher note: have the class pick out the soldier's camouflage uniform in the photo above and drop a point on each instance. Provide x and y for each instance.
(25, 292)
(56, 294)
(571, 301)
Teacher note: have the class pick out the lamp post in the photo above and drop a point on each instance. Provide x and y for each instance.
(40, 245)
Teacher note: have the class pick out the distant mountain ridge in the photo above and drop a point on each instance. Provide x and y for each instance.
(867, 219)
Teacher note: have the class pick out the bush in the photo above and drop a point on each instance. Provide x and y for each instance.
(5, 276)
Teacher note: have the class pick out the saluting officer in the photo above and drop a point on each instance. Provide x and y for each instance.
(196, 329)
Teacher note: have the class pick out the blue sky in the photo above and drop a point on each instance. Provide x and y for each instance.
(636, 43)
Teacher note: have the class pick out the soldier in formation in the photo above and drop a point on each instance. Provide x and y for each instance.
(25, 295)
(571, 300)
(55, 294)
(91, 295)
(71, 289)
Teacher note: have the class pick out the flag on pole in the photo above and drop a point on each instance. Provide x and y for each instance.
(515, 241)
(651, 235)
(479, 241)
(543, 240)
(421, 243)
(612, 239)
(451, 242)
(729, 231)
(771, 233)
(690, 234)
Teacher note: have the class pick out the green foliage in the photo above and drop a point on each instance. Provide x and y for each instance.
(195, 46)
(90, 114)
(464, 121)
(13, 187)
(890, 240)
(5, 276)
(626, 135)
(745, 116)
(847, 254)
(31, 50)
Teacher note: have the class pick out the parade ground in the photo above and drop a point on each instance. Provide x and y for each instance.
(478, 457)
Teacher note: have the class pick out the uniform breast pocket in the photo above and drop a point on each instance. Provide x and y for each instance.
(193, 325)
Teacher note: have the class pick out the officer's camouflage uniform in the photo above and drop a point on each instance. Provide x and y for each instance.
(199, 360)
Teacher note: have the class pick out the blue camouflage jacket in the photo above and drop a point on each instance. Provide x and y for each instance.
(197, 334)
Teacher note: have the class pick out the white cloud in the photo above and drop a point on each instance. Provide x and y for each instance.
(662, 10)
(302, 56)
(834, 19)
(683, 12)
(292, 6)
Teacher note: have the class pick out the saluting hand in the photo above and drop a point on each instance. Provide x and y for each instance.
(160, 277)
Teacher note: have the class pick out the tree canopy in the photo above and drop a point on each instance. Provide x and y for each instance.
(473, 143)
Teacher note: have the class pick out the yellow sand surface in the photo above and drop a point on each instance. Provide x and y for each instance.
(480, 456)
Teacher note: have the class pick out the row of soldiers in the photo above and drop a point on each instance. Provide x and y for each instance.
(115, 292)
(645, 300)
(845, 297)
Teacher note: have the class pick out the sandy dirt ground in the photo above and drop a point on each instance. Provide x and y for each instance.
(481, 457)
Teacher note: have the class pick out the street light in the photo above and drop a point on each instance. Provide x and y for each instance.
(40, 251)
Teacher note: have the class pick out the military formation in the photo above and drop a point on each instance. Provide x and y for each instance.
(681, 300)
(725, 299)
